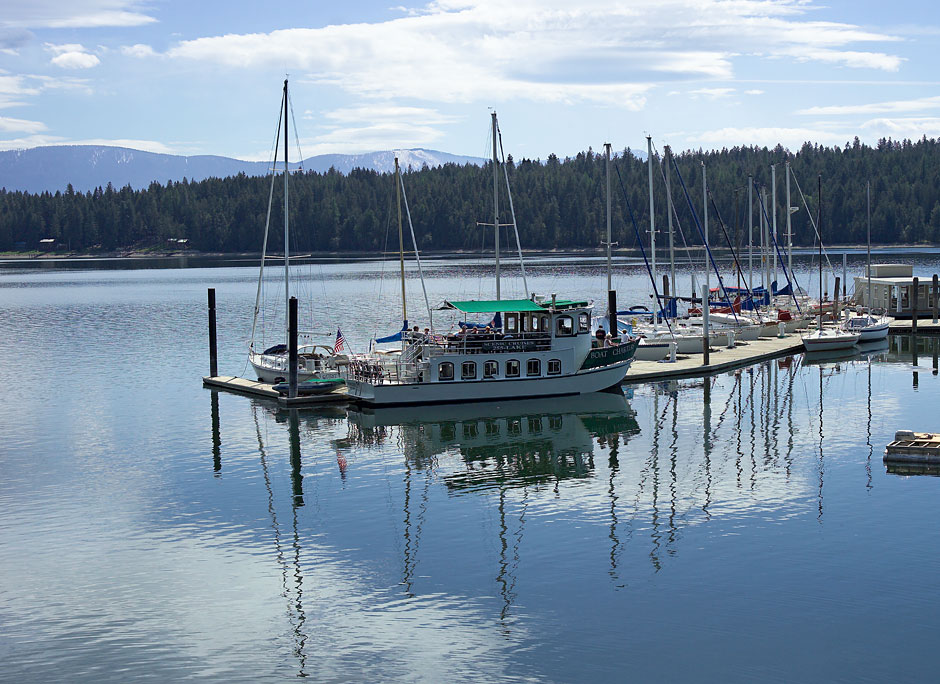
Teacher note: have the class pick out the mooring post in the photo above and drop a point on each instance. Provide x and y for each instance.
(213, 356)
(914, 358)
(296, 477)
(836, 302)
(914, 306)
(292, 348)
(705, 349)
(612, 313)
(936, 297)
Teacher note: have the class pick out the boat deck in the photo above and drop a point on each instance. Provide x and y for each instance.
(264, 390)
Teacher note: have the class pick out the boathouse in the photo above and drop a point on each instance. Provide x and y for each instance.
(892, 289)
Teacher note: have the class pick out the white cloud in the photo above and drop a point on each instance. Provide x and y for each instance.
(76, 60)
(417, 115)
(72, 56)
(754, 91)
(712, 93)
(918, 105)
(139, 50)
(383, 135)
(74, 13)
(9, 125)
(912, 128)
(546, 50)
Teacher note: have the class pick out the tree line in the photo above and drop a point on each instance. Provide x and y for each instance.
(559, 204)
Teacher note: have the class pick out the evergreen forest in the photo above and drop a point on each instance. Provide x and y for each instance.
(559, 204)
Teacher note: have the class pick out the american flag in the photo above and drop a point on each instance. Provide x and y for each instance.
(340, 341)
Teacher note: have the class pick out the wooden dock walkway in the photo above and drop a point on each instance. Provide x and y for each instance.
(721, 359)
(925, 326)
(264, 390)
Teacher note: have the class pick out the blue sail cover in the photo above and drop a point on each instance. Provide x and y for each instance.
(396, 337)
(496, 323)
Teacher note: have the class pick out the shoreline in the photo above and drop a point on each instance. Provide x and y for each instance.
(448, 254)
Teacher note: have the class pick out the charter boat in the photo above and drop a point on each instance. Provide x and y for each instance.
(543, 348)
(315, 361)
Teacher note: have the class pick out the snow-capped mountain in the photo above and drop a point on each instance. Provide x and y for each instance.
(87, 167)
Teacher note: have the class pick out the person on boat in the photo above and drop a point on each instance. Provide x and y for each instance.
(599, 338)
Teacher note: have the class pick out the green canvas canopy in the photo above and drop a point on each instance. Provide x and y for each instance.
(494, 306)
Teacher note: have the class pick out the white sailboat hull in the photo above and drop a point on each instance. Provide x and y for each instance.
(829, 340)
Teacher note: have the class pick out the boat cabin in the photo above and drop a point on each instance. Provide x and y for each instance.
(892, 290)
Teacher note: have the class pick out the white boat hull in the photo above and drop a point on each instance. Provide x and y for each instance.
(829, 341)
(652, 351)
(401, 394)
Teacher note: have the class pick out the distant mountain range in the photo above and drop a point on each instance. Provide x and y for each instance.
(86, 167)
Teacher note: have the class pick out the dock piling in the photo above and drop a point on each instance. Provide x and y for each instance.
(914, 306)
(837, 301)
(213, 355)
(612, 312)
(936, 297)
(292, 348)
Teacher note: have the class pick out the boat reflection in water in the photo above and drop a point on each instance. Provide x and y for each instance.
(507, 443)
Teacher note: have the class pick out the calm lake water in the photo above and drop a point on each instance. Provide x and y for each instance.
(737, 528)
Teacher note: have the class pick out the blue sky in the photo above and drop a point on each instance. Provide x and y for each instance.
(204, 77)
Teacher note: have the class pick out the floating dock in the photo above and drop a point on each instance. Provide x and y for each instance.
(925, 326)
(721, 359)
(913, 447)
(264, 390)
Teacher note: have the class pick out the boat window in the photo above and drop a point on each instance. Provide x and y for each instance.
(512, 368)
(564, 326)
(492, 428)
(445, 371)
(468, 370)
(584, 323)
(554, 367)
(555, 423)
(543, 323)
(470, 430)
(514, 426)
(490, 369)
(535, 425)
(533, 367)
(512, 323)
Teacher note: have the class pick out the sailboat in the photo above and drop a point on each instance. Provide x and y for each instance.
(317, 363)
(536, 347)
(826, 339)
(868, 327)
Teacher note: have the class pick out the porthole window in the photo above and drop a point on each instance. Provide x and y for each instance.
(445, 371)
(512, 368)
(490, 369)
(468, 370)
(554, 367)
(533, 367)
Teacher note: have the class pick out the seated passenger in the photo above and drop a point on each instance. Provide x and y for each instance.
(599, 338)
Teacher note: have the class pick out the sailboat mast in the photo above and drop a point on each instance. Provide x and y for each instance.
(868, 197)
(649, 165)
(750, 231)
(286, 229)
(819, 237)
(789, 225)
(401, 244)
(607, 166)
(496, 202)
(773, 180)
(706, 294)
(672, 250)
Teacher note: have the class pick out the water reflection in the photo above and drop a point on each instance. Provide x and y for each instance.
(511, 444)
(631, 478)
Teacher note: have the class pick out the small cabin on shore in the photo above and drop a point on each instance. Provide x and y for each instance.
(892, 290)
